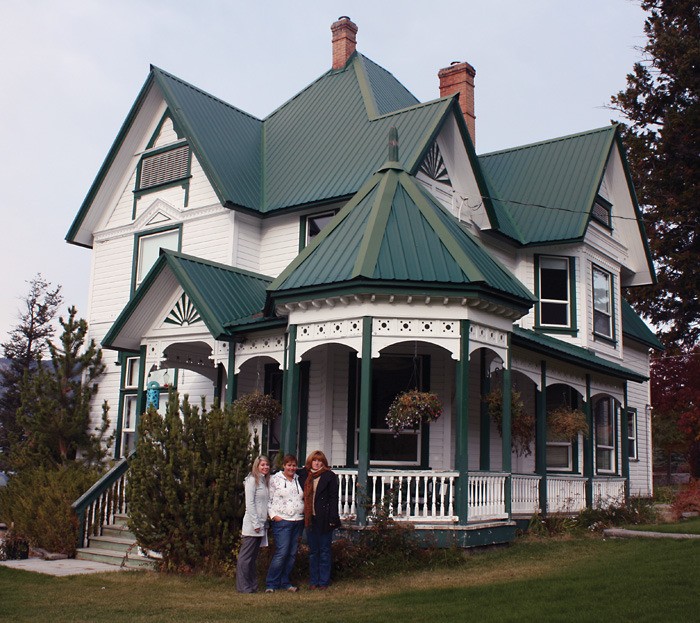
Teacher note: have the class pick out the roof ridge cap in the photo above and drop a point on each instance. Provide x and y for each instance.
(612, 126)
(435, 102)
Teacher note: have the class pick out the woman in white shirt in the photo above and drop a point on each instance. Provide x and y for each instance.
(254, 531)
(286, 510)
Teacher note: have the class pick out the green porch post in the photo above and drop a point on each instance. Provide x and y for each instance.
(588, 445)
(364, 424)
(462, 425)
(506, 439)
(484, 419)
(231, 376)
(141, 396)
(624, 439)
(290, 405)
(541, 438)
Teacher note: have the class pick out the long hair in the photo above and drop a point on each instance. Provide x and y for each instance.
(256, 470)
(316, 454)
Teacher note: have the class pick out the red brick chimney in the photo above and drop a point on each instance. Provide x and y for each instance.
(459, 78)
(344, 40)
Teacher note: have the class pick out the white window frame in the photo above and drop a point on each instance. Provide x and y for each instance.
(569, 467)
(633, 448)
(606, 311)
(128, 432)
(566, 303)
(311, 217)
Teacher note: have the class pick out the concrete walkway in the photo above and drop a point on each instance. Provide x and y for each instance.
(621, 533)
(68, 566)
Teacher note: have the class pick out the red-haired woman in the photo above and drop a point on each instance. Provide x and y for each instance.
(320, 516)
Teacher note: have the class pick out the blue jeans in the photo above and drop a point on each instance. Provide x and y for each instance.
(319, 556)
(286, 535)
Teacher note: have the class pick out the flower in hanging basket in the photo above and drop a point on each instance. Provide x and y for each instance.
(566, 423)
(411, 408)
(261, 408)
(522, 423)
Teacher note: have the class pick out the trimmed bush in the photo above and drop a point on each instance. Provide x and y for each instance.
(185, 487)
(37, 504)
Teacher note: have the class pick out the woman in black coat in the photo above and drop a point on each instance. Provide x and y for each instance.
(320, 516)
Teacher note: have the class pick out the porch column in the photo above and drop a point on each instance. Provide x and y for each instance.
(588, 445)
(506, 438)
(624, 439)
(219, 383)
(141, 396)
(541, 438)
(364, 424)
(485, 420)
(462, 425)
(231, 376)
(290, 400)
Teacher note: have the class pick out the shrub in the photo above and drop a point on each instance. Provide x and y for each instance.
(687, 500)
(185, 486)
(37, 504)
(637, 511)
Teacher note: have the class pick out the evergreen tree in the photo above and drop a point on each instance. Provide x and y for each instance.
(662, 105)
(55, 403)
(26, 345)
(185, 489)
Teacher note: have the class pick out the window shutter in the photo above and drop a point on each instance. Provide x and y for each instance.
(165, 167)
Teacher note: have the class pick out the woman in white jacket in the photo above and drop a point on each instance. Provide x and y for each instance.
(254, 532)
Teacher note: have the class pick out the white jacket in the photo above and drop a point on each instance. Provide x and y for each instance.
(256, 498)
(286, 498)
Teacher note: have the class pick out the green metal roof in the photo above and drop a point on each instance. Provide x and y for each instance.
(635, 328)
(227, 141)
(394, 232)
(222, 295)
(544, 192)
(552, 347)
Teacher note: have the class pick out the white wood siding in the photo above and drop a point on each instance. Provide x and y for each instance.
(279, 243)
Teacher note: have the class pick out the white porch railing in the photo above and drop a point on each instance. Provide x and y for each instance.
(525, 494)
(608, 492)
(486, 496)
(566, 494)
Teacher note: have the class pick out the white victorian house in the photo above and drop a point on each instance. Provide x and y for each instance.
(308, 256)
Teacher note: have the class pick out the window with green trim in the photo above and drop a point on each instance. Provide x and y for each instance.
(315, 224)
(602, 303)
(604, 425)
(130, 384)
(555, 291)
(148, 248)
(164, 166)
(632, 448)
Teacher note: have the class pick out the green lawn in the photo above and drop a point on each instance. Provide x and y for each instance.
(688, 526)
(583, 579)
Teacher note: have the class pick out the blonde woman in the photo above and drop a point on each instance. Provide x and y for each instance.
(254, 532)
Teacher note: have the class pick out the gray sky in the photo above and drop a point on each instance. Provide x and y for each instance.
(71, 69)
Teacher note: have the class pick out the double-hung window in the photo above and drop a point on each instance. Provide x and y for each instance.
(148, 248)
(130, 384)
(632, 434)
(602, 303)
(604, 420)
(555, 291)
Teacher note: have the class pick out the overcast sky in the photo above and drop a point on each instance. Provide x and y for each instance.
(71, 69)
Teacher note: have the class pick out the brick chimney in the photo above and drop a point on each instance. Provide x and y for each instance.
(459, 78)
(344, 41)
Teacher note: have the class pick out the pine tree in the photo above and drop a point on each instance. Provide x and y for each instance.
(55, 402)
(26, 345)
(662, 104)
(185, 490)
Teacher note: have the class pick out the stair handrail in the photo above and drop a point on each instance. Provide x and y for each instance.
(99, 500)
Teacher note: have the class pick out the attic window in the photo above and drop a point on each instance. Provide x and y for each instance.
(164, 167)
(601, 211)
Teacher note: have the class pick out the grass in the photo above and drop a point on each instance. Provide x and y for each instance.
(687, 526)
(577, 579)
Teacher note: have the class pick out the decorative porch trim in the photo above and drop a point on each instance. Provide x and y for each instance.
(270, 345)
(481, 336)
(346, 332)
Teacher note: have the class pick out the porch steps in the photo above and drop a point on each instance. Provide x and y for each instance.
(116, 546)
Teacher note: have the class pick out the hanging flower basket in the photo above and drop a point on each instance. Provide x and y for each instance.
(412, 408)
(566, 423)
(522, 423)
(260, 408)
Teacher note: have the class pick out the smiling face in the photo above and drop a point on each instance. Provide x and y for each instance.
(316, 464)
(264, 467)
(290, 469)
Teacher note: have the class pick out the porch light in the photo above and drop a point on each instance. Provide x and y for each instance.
(166, 378)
